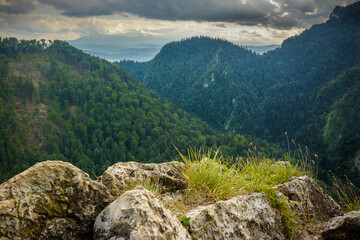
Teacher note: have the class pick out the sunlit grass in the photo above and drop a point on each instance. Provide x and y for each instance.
(210, 179)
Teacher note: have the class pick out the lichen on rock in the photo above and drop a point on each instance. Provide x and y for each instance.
(308, 200)
(52, 199)
(167, 175)
(245, 217)
(138, 215)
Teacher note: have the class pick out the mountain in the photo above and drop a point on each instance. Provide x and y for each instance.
(57, 102)
(290, 89)
(200, 75)
(118, 47)
(262, 49)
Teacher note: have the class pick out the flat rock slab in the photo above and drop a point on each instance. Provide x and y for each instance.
(51, 200)
(245, 217)
(138, 215)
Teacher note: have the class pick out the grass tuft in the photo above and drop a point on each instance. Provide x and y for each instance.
(262, 175)
(301, 159)
(210, 179)
(259, 174)
(347, 194)
(185, 221)
(289, 218)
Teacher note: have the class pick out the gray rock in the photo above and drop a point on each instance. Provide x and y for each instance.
(138, 215)
(311, 203)
(245, 217)
(345, 227)
(168, 175)
(306, 234)
(51, 200)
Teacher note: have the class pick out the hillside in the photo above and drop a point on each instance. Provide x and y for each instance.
(201, 75)
(57, 102)
(285, 90)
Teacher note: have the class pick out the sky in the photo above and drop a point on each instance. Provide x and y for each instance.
(245, 22)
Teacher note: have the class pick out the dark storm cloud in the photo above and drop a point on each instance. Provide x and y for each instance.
(17, 6)
(274, 13)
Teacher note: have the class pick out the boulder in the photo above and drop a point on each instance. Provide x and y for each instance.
(245, 217)
(51, 200)
(122, 174)
(311, 203)
(137, 214)
(345, 227)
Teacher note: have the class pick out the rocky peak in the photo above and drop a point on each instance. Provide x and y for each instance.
(349, 14)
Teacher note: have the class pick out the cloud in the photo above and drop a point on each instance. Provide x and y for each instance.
(17, 6)
(299, 13)
(282, 14)
(220, 25)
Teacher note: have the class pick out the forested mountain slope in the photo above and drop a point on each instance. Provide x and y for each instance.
(204, 76)
(290, 89)
(57, 102)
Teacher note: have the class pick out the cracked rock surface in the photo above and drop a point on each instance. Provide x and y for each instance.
(245, 217)
(138, 215)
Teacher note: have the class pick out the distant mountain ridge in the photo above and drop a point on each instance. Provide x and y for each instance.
(118, 47)
(284, 90)
(262, 49)
(135, 48)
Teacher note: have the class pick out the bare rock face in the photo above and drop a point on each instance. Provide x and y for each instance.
(311, 203)
(51, 200)
(245, 217)
(138, 215)
(345, 227)
(168, 175)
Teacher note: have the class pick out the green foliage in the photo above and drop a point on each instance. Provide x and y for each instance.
(200, 75)
(57, 102)
(342, 129)
(309, 87)
(185, 221)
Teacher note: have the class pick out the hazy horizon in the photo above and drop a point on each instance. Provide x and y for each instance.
(243, 22)
(117, 47)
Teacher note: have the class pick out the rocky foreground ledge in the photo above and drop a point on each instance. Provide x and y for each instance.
(55, 200)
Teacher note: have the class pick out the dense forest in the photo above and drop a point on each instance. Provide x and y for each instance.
(308, 88)
(57, 102)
